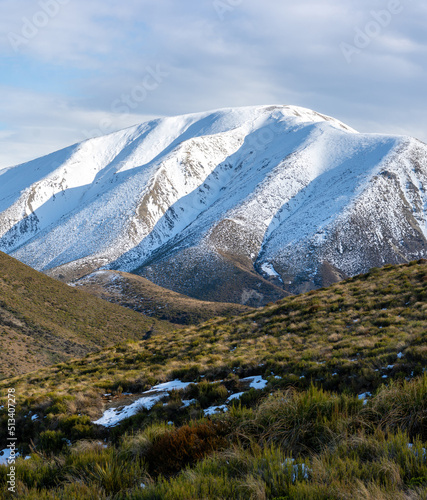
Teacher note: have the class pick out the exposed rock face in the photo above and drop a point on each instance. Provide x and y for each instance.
(239, 205)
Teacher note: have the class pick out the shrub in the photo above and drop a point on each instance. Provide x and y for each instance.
(77, 427)
(137, 446)
(52, 441)
(206, 393)
(175, 450)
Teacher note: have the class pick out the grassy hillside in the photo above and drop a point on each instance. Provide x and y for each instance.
(356, 329)
(140, 294)
(342, 413)
(43, 321)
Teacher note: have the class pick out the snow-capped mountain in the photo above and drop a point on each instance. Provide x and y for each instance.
(236, 204)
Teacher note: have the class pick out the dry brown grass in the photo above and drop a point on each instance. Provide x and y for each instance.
(43, 321)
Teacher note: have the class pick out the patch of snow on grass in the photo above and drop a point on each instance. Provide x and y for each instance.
(411, 446)
(114, 416)
(5, 455)
(300, 471)
(256, 382)
(169, 386)
(235, 396)
(215, 409)
(188, 402)
(364, 397)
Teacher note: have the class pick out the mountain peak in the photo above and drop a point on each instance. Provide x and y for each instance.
(271, 198)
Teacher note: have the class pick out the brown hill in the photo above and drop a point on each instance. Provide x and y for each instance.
(43, 321)
(140, 294)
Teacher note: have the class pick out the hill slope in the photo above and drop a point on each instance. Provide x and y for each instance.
(361, 329)
(43, 321)
(267, 198)
(267, 405)
(139, 294)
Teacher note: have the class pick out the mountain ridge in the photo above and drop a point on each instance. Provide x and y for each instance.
(139, 294)
(273, 199)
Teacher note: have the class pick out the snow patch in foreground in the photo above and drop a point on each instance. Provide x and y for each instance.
(4, 455)
(300, 471)
(423, 450)
(237, 395)
(114, 416)
(215, 409)
(364, 397)
(169, 386)
(256, 382)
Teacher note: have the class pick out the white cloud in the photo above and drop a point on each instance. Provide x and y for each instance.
(90, 54)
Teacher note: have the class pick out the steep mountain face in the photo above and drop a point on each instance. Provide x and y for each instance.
(239, 205)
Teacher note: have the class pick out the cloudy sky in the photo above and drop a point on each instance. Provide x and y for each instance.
(73, 69)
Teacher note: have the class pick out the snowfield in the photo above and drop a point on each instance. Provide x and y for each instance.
(113, 416)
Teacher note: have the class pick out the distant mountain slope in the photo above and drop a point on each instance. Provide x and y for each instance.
(43, 321)
(139, 294)
(231, 205)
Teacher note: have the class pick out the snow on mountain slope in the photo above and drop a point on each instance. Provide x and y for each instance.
(236, 204)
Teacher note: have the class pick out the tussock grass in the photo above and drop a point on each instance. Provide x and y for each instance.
(306, 436)
(301, 422)
(359, 331)
(339, 449)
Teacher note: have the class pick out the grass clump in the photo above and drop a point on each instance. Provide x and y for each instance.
(303, 444)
